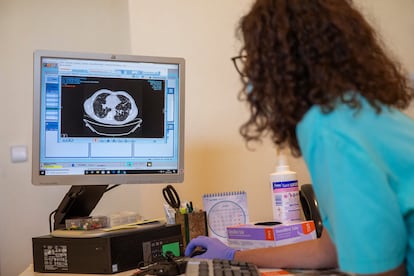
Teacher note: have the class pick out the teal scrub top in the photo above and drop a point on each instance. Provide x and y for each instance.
(362, 169)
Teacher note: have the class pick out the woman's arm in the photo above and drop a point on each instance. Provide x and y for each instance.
(314, 254)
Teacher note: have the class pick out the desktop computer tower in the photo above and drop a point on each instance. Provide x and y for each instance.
(111, 253)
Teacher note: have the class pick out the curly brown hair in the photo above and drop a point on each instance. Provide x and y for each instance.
(301, 53)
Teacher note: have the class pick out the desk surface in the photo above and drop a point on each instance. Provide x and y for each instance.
(29, 272)
(264, 272)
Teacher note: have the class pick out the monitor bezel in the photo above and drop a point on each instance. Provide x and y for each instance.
(38, 179)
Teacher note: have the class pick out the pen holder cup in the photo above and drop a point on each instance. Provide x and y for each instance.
(192, 225)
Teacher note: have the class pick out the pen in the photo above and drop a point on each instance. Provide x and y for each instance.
(190, 207)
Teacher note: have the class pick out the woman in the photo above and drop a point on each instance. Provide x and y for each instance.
(318, 81)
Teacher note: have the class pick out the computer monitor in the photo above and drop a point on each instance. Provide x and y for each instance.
(102, 119)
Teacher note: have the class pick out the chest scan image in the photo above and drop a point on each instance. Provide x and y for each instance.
(111, 107)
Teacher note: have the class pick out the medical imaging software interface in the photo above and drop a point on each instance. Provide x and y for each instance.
(108, 117)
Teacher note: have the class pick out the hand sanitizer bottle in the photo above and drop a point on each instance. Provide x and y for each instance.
(285, 192)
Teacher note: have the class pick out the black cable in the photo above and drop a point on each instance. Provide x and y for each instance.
(50, 220)
(168, 265)
(110, 188)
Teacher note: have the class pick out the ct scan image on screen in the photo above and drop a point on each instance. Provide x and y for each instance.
(95, 107)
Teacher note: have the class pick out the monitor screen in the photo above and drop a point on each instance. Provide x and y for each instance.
(102, 119)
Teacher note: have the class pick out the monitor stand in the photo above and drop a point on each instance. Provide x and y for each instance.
(78, 202)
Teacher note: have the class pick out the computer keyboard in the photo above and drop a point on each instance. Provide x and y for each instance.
(216, 267)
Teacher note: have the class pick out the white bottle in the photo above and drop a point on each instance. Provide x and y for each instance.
(285, 193)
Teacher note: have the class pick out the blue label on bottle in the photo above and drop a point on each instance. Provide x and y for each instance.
(285, 184)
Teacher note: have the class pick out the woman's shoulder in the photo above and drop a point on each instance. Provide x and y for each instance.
(344, 116)
(341, 117)
(359, 125)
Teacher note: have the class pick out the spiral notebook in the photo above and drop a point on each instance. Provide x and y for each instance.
(223, 210)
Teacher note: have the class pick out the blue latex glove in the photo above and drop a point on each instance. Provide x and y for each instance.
(215, 248)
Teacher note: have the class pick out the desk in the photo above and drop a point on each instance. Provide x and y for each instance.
(29, 272)
(264, 272)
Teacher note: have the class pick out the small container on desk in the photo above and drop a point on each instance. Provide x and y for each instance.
(193, 224)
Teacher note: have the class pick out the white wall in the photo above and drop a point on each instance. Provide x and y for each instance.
(25, 25)
(203, 32)
(395, 22)
(200, 31)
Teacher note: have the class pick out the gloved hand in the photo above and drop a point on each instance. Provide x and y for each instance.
(215, 248)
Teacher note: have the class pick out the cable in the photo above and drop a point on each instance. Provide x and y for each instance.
(50, 220)
(110, 188)
(168, 265)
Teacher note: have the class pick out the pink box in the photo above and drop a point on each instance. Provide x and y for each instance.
(249, 236)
